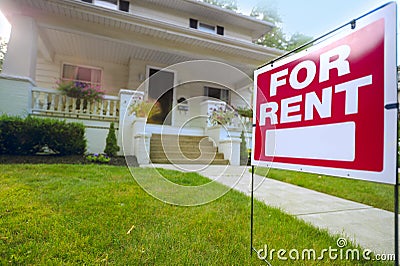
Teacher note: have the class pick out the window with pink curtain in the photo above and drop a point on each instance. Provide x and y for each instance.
(80, 73)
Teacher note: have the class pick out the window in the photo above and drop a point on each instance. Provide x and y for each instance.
(206, 28)
(195, 24)
(80, 73)
(111, 4)
(107, 4)
(221, 94)
(220, 30)
(124, 6)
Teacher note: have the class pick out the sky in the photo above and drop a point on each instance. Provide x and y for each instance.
(314, 17)
(310, 17)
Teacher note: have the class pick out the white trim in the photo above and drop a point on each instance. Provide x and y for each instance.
(18, 78)
(171, 130)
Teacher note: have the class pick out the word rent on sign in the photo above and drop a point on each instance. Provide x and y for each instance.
(323, 111)
(312, 102)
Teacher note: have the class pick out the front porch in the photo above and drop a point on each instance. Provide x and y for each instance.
(143, 139)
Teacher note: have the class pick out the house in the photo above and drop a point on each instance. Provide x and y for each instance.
(199, 58)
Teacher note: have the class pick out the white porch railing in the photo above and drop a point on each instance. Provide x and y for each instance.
(52, 102)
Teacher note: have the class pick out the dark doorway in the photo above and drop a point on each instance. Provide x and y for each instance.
(161, 89)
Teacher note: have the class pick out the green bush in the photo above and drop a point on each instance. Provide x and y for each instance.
(98, 158)
(111, 142)
(31, 135)
(244, 155)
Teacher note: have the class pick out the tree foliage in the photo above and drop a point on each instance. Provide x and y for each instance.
(3, 50)
(296, 40)
(228, 4)
(276, 38)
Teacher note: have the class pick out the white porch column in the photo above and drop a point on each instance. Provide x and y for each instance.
(125, 132)
(142, 141)
(19, 68)
(20, 59)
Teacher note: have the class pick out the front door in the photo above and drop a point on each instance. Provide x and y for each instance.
(161, 88)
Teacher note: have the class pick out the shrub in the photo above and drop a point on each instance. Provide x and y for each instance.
(98, 158)
(111, 142)
(31, 135)
(244, 155)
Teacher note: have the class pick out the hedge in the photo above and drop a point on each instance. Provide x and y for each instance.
(28, 136)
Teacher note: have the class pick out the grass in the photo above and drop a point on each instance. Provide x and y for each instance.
(373, 194)
(98, 215)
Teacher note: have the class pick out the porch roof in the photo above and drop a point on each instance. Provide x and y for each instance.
(75, 28)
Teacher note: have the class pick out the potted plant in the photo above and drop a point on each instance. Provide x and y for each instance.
(147, 108)
(222, 116)
(82, 91)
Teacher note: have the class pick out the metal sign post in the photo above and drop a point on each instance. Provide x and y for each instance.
(396, 224)
(252, 210)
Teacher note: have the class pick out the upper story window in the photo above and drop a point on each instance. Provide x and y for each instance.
(89, 75)
(111, 4)
(195, 24)
(206, 28)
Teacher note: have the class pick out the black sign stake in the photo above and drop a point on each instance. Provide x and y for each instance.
(396, 199)
(396, 224)
(252, 210)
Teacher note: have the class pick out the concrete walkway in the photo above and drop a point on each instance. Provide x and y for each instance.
(370, 227)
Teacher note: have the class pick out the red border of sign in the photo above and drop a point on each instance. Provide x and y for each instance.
(388, 174)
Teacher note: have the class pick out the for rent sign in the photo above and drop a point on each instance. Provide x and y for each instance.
(330, 109)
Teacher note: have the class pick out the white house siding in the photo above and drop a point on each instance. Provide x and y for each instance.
(115, 76)
(161, 14)
(182, 19)
(138, 74)
(46, 73)
(237, 33)
(242, 98)
(188, 118)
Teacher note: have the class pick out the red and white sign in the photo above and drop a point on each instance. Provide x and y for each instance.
(323, 110)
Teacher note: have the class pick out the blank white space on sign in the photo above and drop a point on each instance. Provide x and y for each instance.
(325, 142)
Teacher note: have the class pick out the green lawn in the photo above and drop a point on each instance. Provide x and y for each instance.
(373, 194)
(98, 215)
